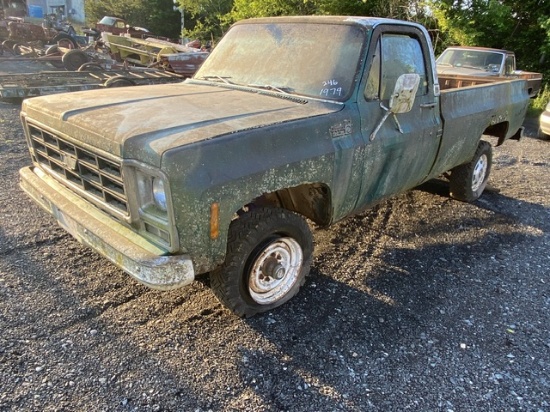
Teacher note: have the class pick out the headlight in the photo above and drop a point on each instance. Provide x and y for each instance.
(151, 193)
(159, 195)
(150, 204)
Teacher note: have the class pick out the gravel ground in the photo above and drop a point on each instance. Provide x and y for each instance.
(423, 303)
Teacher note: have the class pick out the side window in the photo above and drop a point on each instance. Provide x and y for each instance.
(510, 65)
(372, 91)
(396, 54)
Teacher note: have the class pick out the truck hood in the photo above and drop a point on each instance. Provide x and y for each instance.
(143, 122)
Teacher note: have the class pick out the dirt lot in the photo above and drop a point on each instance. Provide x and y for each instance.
(423, 303)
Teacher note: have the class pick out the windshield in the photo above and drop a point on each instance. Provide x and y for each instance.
(314, 60)
(472, 59)
(108, 21)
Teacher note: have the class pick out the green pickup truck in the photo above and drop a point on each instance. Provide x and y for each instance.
(289, 119)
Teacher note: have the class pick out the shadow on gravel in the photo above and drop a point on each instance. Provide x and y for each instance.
(363, 323)
(528, 213)
(58, 322)
(340, 334)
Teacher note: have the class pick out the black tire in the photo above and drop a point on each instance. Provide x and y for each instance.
(64, 38)
(8, 45)
(73, 59)
(273, 243)
(119, 82)
(17, 49)
(468, 181)
(54, 51)
(90, 67)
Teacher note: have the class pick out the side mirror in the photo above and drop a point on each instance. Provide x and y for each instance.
(404, 93)
(401, 100)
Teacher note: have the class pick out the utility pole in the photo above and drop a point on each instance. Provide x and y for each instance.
(179, 8)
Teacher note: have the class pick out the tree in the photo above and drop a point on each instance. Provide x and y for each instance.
(244, 9)
(517, 25)
(206, 19)
(156, 15)
(162, 19)
(399, 9)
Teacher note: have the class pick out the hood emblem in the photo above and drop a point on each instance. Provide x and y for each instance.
(69, 161)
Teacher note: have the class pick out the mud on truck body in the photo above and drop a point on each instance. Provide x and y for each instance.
(221, 173)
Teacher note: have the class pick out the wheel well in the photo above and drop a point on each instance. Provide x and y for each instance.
(498, 130)
(311, 200)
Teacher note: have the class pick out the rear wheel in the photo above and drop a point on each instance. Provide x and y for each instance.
(64, 40)
(73, 59)
(468, 181)
(268, 257)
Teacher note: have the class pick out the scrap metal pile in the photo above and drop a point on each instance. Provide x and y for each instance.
(132, 61)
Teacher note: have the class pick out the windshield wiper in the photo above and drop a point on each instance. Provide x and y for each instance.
(283, 90)
(215, 77)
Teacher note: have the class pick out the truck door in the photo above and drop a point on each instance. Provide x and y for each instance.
(396, 160)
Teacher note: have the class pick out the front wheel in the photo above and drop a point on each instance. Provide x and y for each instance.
(468, 181)
(268, 257)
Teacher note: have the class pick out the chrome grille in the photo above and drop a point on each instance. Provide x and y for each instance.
(95, 177)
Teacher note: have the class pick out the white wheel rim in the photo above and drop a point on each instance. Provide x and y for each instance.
(480, 171)
(275, 271)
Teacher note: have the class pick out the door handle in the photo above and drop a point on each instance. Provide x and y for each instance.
(428, 105)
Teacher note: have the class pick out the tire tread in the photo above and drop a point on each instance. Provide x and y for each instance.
(461, 176)
(224, 280)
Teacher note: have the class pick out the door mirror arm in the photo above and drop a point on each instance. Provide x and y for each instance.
(401, 100)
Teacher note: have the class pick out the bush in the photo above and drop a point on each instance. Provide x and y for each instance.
(538, 104)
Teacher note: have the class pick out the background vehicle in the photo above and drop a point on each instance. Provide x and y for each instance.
(15, 32)
(484, 62)
(218, 174)
(544, 123)
(117, 26)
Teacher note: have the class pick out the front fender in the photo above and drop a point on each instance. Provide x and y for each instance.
(233, 170)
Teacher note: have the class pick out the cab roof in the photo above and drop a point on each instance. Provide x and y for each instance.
(368, 22)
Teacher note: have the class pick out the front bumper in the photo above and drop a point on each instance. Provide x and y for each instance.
(92, 227)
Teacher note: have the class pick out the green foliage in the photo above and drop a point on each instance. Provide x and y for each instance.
(206, 19)
(538, 104)
(161, 18)
(522, 26)
(243, 9)
(156, 15)
(398, 9)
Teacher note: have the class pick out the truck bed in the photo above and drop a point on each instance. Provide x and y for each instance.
(454, 81)
(477, 106)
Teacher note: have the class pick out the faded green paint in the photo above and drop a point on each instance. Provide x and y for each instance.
(234, 144)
